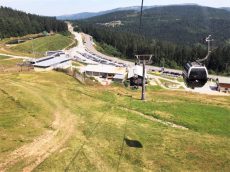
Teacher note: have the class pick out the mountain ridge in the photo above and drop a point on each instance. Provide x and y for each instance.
(226, 8)
(86, 15)
(165, 22)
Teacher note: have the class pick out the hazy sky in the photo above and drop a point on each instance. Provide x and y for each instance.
(60, 7)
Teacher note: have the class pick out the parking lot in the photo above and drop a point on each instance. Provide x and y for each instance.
(89, 58)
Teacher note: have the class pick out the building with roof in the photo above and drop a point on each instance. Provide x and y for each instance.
(135, 75)
(223, 84)
(105, 71)
(136, 71)
(57, 53)
(51, 62)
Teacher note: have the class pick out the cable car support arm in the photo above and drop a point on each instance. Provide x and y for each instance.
(209, 40)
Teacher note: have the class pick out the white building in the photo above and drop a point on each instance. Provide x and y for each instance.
(51, 62)
(135, 75)
(136, 71)
(223, 84)
(106, 71)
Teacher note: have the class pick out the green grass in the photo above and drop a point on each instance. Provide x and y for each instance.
(9, 63)
(179, 79)
(41, 45)
(154, 88)
(27, 108)
(167, 83)
(24, 113)
(4, 57)
(194, 115)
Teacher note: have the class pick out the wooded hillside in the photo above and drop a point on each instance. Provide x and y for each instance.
(17, 23)
(173, 34)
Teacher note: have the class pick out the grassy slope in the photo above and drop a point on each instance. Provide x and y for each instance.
(9, 62)
(24, 113)
(4, 57)
(41, 45)
(96, 145)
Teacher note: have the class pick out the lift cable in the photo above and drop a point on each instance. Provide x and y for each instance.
(91, 133)
(126, 123)
(142, 6)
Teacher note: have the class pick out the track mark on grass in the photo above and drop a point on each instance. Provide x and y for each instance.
(170, 124)
(42, 147)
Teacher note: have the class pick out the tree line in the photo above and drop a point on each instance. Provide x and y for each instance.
(165, 53)
(17, 23)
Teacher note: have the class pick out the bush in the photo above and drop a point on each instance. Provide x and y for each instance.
(126, 83)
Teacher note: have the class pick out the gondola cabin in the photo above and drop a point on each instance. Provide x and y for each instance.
(195, 75)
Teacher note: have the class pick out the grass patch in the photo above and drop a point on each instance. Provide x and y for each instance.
(168, 84)
(4, 57)
(9, 63)
(41, 45)
(154, 88)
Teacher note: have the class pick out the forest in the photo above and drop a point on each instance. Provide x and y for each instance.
(16, 23)
(171, 47)
(165, 53)
(164, 23)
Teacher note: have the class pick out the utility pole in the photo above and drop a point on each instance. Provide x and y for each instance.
(143, 82)
(144, 59)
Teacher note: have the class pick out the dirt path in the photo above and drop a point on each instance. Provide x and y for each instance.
(42, 147)
(170, 124)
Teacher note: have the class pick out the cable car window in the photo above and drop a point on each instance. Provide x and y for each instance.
(186, 67)
(198, 74)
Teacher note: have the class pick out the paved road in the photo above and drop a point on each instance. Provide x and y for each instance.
(89, 46)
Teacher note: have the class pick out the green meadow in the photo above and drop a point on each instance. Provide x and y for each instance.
(96, 120)
(43, 44)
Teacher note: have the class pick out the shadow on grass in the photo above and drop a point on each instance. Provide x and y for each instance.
(133, 143)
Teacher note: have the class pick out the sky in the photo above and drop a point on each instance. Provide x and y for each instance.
(61, 7)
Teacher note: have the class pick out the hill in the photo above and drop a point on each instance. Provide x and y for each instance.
(41, 45)
(47, 124)
(35, 45)
(226, 8)
(173, 34)
(86, 15)
(192, 22)
(17, 23)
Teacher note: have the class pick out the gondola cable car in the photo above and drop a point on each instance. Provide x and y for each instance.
(195, 74)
